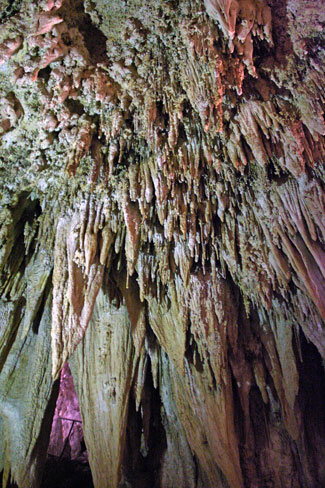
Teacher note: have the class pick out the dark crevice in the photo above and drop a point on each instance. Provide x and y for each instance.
(258, 415)
(311, 399)
(261, 51)
(74, 106)
(238, 416)
(95, 42)
(192, 352)
(18, 314)
(94, 39)
(45, 73)
(145, 439)
(275, 173)
(40, 310)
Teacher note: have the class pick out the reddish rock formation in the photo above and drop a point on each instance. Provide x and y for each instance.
(162, 229)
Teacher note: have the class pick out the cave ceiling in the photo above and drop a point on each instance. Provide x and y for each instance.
(162, 229)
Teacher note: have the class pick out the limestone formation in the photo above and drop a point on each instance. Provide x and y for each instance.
(162, 229)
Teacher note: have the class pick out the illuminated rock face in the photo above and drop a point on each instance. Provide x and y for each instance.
(162, 228)
(67, 440)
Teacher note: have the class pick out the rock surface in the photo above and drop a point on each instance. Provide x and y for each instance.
(162, 228)
(67, 439)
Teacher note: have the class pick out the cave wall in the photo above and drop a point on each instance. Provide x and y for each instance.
(162, 228)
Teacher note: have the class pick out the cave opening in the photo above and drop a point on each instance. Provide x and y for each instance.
(67, 457)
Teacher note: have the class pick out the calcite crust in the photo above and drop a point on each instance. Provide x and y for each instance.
(162, 229)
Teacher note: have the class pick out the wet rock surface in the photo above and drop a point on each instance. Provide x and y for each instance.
(162, 228)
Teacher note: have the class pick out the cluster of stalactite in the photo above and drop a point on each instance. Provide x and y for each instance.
(162, 228)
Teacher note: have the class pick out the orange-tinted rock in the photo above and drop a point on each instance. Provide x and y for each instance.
(162, 227)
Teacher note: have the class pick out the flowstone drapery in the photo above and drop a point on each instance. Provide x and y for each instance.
(162, 229)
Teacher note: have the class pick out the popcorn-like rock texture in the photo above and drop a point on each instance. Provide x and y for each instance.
(162, 229)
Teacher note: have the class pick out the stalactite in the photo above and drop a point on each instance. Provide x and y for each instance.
(162, 220)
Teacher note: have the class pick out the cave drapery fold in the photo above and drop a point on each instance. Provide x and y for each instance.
(162, 229)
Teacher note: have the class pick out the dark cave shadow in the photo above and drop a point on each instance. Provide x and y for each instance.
(66, 473)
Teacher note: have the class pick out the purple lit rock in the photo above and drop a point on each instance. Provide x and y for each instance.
(67, 435)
